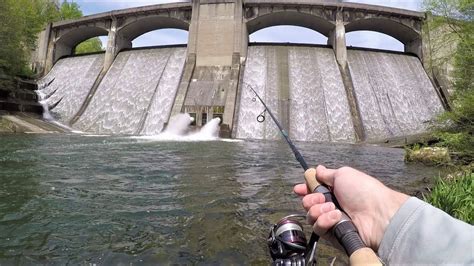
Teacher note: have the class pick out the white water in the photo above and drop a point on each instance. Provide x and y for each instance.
(178, 129)
(71, 79)
(395, 95)
(318, 107)
(137, 93)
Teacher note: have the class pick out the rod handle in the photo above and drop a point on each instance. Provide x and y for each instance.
(344, 231)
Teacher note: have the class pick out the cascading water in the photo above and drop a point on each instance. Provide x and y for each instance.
(394, 93)
(136, 94)
(318, 107)
(69, 83)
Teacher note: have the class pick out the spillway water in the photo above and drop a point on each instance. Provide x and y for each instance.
(317, 106)
(394, 93)
(69, 82)
(136, 94)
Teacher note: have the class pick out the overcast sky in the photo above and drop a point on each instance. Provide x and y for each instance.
(273, 34)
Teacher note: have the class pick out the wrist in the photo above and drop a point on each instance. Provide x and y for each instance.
(387, 207)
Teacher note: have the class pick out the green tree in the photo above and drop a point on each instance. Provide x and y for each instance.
(89, 46)
(70, 10)
(456, 127)
(22, 21)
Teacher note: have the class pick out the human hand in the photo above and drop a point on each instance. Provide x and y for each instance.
(368, 202)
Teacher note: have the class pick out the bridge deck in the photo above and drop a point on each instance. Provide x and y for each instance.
(333, 5)
(125, 12)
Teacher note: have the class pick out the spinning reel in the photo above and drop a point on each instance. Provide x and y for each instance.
(288, 245)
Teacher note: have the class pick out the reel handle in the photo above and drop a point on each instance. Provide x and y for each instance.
(344, 231)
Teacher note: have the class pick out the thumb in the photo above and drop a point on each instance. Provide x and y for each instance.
(325, 175)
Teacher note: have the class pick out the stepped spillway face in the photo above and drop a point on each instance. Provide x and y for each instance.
(136, 94)
(317, 105)
(70, 81)
(394, 94)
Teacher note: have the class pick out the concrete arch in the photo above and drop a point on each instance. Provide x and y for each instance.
(134, 29)
(292, 18)
(397, 30)
(66, 43)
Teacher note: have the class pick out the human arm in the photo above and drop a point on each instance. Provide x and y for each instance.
(374, 208)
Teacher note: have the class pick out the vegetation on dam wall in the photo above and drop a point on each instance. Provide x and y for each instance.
(22, 21)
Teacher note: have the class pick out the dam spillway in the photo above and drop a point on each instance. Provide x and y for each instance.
(139, 86)
(134, 97)
(393, 93)
(302, 85)
(69, 82)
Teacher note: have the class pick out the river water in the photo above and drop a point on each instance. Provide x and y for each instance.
(71, 199)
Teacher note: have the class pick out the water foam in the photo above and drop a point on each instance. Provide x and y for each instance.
(46, 113)
(179, 129)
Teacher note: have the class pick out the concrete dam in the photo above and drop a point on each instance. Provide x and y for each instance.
(319, 93)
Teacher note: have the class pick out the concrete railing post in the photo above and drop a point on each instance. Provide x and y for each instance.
(415, 47)
(337, 39)
(115, 43)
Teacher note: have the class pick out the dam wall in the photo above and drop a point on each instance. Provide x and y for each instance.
(302, 85)
(320, 93)
(304, 88)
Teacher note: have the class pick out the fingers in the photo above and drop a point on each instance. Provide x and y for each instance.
(301, 189)
(326, 221)
(325, 175)
(312, 199)
(316, 210)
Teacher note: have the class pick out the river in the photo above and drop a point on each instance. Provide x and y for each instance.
(72, 199)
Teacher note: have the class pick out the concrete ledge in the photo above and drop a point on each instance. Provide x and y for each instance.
(332, 5)
(18, 122)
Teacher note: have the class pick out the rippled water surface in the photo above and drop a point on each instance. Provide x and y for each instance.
(68, 199)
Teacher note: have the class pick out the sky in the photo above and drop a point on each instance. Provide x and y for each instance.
(285, 34)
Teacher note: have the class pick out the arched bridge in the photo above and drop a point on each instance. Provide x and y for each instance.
(230, 22)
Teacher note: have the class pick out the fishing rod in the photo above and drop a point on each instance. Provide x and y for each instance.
(287, 242)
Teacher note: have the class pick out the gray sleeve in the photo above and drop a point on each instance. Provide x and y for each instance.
(422, 234)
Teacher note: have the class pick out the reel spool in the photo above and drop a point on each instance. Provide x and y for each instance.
(287, 242)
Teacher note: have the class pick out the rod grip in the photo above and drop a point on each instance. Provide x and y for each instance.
(345, 231)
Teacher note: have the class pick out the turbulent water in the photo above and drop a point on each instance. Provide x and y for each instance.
(136, 94)
(393, 92)
(82, 200)
(69, 82)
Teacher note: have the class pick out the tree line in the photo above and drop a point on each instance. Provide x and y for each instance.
(22, 21)
(455, 128)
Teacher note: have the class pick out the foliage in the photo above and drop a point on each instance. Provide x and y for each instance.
(22, 21)
(70, 10)
(454, 196)
(89, 46)
(455, 128)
